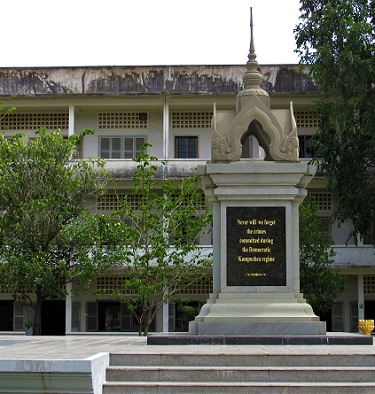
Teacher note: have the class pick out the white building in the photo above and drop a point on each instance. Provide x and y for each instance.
(171, 107)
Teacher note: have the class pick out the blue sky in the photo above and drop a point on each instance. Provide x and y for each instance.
(145, 32)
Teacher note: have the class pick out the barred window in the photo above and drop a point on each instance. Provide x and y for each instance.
(186, 147)
(306, 146)
(120, 147)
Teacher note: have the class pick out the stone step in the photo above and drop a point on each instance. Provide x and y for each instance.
(238, 387)
(240, 374)
(254, 360)
(250, 373)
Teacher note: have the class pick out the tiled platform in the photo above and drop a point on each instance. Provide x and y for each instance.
(80, 347)
(74, 347)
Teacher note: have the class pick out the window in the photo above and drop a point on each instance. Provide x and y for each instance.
(113, 201)
(191, 119)
(120, 147)
(369, 285)
(325, 225)
(323, 200)
(33, 121)
(338, 317)
(76, 316)
(306, 148)
(247, 148)
(251, 148)
(186, 147)
(122, 120)
(306, 119)
(354, 316)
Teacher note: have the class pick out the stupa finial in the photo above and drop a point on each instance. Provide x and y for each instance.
(252, 78)
(252, 47)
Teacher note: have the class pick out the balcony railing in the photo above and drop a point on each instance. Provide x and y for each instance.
(174, 168)
(354, 256)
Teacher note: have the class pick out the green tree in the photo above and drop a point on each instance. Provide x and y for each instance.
(47, 236)
(4, 113)
(336, 38)
(157, 239)
(319, 282)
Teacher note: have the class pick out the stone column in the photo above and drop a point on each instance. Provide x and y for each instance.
(361, 299)
(71, 120)
(68, 309)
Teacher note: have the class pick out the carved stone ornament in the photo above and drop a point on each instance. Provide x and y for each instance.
(257, 119)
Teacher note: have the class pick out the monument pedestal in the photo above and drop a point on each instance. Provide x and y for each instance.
(257, 314)
(256, 250)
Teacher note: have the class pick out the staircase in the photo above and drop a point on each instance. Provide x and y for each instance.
(237, 373)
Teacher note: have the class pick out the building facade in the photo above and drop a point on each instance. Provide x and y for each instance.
(170, 107)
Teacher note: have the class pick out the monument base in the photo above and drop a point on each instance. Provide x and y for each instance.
(258, 328)
(256, 314)
(329, 339)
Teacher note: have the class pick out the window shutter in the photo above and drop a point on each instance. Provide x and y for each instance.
(337, 317)
(354, 316)
(76, 316)
(139, 141)
(116, 148)
(104, 148)
(128, 147)
(126, 318)
(18, 316)
(91, 316)
(171, 316)
(29, 314)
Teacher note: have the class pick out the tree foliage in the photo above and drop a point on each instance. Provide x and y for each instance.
(336, 38)
(157, 240)
(319, 282)
(47, 237)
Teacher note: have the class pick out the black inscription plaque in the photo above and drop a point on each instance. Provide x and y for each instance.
(256, 254)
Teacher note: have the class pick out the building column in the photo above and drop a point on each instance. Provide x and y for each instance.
(68, 309)
(165, 317)
(361, 298)
(165, 130)
(71, 120)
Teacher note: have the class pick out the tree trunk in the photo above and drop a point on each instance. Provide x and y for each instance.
(140, 322)
(148, 319)
(38, 316)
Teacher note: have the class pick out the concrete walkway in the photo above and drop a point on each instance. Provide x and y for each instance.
(80, 347)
